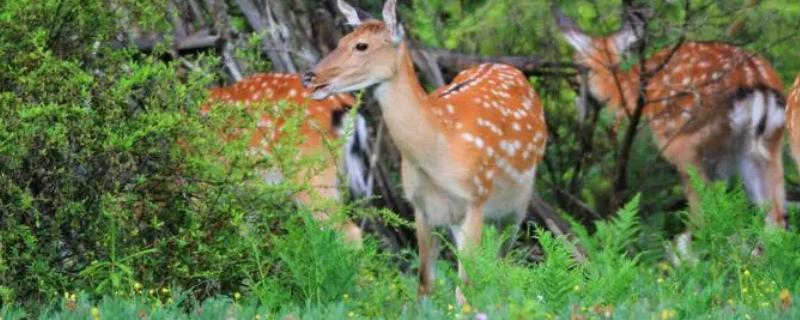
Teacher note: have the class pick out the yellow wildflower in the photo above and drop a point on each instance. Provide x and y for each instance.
(746, 273)
(237, 296)
(466, 308)
(786, 298)
(668, 314)
(95, 313)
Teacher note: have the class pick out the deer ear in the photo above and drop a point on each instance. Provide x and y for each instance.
(390, 19)
(625, 38)
(571, 32)
(350, 13)
(632, 29)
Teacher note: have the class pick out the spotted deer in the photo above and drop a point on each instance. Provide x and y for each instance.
(469, 149)
(792, 109)
(324, 121)
(711, 106)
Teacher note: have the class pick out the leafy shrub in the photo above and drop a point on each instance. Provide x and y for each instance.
(111, 182)
(320, 270)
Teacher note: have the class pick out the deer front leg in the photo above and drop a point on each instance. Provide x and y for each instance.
(690, 194)
(681, 150)
(686, 159)
(467, 237)
(428, 249)
(684, 240)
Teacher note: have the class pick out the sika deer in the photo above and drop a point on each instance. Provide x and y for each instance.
(324, 122)
(710, 105)
(469, 150)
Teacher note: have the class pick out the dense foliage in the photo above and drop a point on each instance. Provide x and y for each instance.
(110, 179)
(118, 200)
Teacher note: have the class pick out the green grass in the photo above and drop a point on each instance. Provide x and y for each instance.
(323, 278)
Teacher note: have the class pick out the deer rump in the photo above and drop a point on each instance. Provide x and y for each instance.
(755, 117)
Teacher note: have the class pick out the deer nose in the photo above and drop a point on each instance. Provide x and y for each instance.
(308, 77)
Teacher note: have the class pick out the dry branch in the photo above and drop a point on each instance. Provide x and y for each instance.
(202, 40)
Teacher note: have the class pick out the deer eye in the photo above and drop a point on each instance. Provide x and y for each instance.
(362, 46)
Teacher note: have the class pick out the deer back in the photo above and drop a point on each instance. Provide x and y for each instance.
(321, 116)
(696, 82)
(495, 114)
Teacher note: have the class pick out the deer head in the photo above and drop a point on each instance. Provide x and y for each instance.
(602, 56)
(359, 60)
(606, 51)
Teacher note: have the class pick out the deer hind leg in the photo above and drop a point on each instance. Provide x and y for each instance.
(428, 249)
(777, 216)
(763, 180)
(467, 237)
(324, 187)
(352, 232)
(761, 163)
(510, 225)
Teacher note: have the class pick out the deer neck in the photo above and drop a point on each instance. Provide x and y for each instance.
(623, 87)
(407, 113)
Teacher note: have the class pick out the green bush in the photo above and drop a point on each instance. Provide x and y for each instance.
(112, 183)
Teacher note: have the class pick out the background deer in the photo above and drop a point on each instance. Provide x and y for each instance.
(469, 150)
(792, 108)
(710, 105)
(324, 121)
